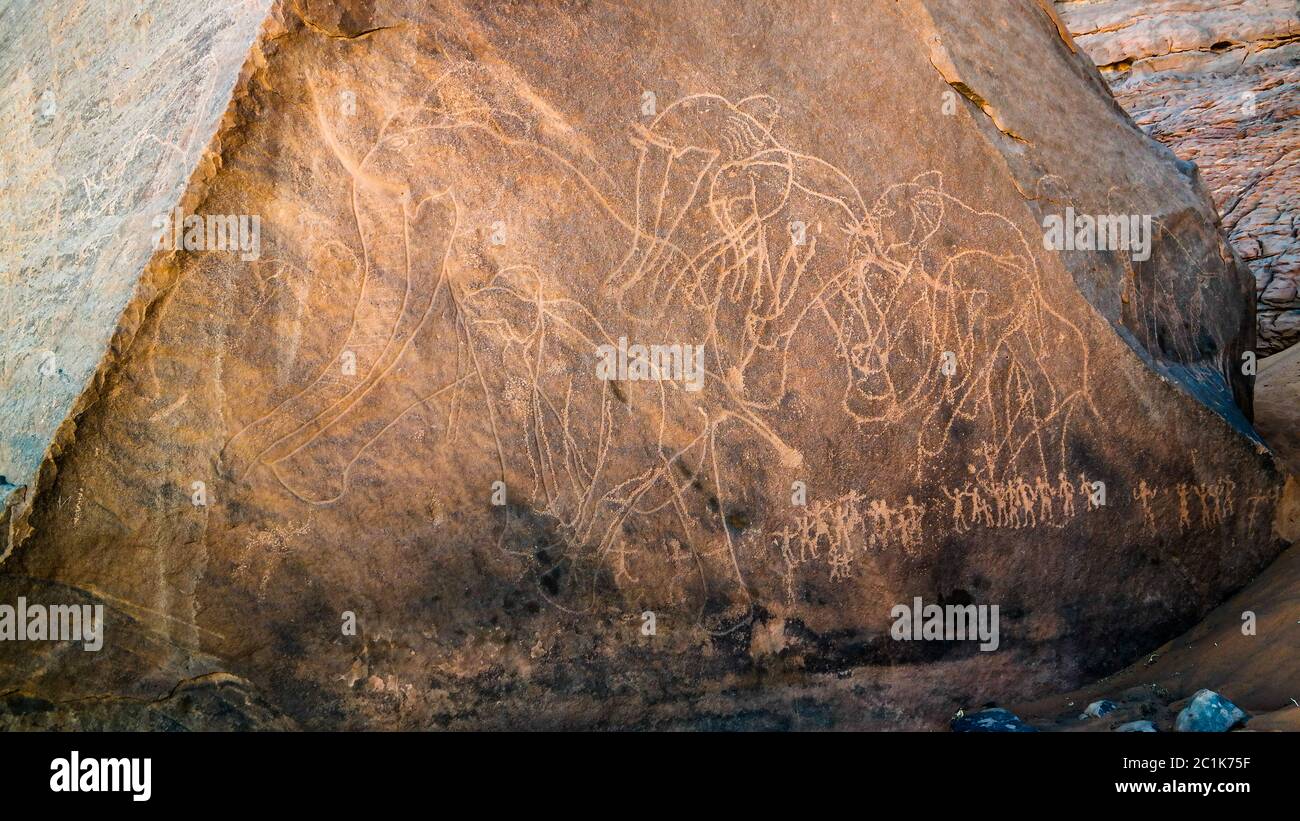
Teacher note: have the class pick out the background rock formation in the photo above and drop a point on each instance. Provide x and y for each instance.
(459, 203)
(1218, 81)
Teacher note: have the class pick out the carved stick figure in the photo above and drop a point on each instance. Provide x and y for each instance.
(1066, 488)
(1144, 495)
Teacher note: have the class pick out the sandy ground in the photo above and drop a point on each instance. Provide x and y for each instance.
(1277, 404)
(1261, 672)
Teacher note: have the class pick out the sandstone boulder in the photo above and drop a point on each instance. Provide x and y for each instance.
(392, 414)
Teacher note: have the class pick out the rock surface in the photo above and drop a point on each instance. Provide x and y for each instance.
(393, 417)
(1098, 709)
(1277, 405)
(1218, 81)
(215, 702)
(1246, 648)
(109, 109)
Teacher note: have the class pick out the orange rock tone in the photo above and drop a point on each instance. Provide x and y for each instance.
(353, 463)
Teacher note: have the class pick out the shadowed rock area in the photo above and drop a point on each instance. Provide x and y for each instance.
(398, 412)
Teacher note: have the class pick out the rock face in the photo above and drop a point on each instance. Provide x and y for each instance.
(1245, 650)
(108, 112)
(1278, 406)
(409, 465)
(1218, 81)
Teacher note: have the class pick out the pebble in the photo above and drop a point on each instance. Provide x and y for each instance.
(991, 720)
(1209, 712)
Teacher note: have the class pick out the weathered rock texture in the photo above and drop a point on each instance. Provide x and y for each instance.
(108, 107)
(395, 411)
(1218, 81)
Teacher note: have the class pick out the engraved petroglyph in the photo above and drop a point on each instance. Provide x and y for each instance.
(927, 312)
(264, 550)
(838, 534)
(1016, 502)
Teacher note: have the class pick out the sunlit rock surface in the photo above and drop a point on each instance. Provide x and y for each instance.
(393, 416)
(108, 108)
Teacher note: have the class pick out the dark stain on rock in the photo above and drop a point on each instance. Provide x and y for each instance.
(20, 704)
(553, 571)
(737, 521)
(958, 597)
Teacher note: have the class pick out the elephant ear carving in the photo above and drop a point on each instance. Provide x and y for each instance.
(762, 108)
(927, 213)
(929, 180)
(927, 205)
